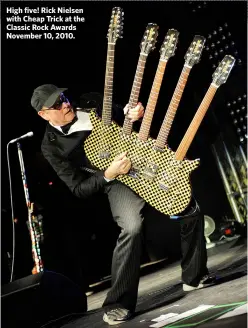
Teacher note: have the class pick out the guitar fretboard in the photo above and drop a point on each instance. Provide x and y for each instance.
(192, 129)
(108, 87)
(127, 126)
(171, 112)
(152, 101)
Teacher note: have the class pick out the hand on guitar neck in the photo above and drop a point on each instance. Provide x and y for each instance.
(134, 114)
(120, 165)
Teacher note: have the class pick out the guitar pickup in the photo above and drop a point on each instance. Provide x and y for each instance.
(163, 186)
(104, 154)
(169, 178)
(176, 163)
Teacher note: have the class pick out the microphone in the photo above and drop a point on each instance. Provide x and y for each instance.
(27, 135)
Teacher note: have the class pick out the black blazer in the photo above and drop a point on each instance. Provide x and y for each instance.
(66, 155)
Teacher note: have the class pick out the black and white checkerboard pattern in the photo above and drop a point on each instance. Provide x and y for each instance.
(156, 176)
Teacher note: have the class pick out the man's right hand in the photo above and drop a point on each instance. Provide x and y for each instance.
(120, 165)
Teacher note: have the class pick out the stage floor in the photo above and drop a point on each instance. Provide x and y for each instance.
(160, 293)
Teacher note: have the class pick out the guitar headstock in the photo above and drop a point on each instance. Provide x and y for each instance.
(169, 45)
(194, 52)
(223, 70)
(116, 25)
(149, 38)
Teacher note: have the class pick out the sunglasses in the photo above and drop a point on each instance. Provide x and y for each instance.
(59, 102)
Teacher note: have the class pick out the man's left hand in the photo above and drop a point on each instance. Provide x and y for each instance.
(134, 114)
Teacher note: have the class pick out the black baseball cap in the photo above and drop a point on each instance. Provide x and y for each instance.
(45, 95)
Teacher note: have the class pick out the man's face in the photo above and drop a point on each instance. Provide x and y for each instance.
(60, 113)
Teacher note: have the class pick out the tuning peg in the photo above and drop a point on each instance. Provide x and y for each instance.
(234, 102)
(242, 139)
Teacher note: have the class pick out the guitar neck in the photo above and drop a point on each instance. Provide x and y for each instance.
(152, 101)
(171, 112)
(192, 129)
(134, 97)
(108, 86)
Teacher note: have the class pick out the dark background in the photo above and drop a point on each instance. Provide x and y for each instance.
(80, 65)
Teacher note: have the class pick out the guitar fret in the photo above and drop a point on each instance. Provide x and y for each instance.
(108, 86)
(154, 95)
(138, 88)
(133, 99)
(193, 127)
(171, 112)
(147, 119)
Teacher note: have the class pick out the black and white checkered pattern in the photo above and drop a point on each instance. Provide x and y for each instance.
(166, 186)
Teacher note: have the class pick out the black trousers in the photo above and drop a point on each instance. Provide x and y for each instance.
(126, 207)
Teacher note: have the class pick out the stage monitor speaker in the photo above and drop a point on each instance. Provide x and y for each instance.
(37, 299)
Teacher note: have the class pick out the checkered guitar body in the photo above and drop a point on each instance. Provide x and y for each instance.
(103, 143)
(155, 175)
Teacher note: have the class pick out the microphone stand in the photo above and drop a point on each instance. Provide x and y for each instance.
(34, 222)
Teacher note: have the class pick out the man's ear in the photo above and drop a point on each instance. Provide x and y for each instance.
(43, 114)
